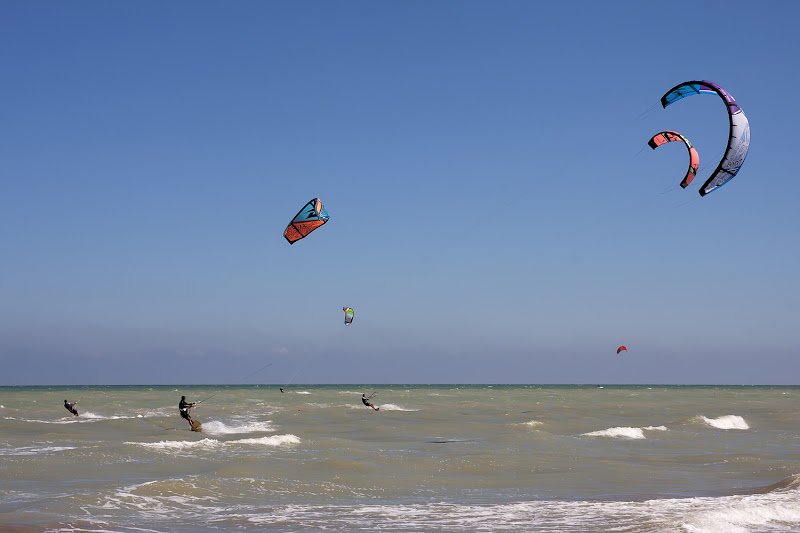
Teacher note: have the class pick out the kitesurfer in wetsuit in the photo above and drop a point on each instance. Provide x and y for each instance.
(184, 407)
(365, 400)
(70, 407)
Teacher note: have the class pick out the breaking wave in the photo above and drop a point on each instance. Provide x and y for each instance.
(215, 427)
(725, 422)
(624, 432)
(619, 433)
(177, 445)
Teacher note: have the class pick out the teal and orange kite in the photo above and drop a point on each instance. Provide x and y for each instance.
(312, 216)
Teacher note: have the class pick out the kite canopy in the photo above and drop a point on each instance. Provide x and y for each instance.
(738, 138)
(694, 158)
(312, 216)
(348, 315)
(622, 349)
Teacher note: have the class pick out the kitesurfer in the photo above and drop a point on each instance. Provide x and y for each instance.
(71, 407)
(366, 401)
(281, 389)
(184, 407)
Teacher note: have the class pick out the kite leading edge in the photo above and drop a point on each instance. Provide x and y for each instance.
(694, 158)
(312, 216)
(738, 138)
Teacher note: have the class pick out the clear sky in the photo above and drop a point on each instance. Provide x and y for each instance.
(496, 215)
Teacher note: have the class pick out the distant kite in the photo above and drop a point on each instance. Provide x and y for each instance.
(621, 349)
(312, 216)
(694, 158)
(738, 137)
(348, 315)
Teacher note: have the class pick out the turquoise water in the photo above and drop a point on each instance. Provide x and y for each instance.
(434, 458)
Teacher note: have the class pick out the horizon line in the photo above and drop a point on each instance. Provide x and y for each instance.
(295, 385)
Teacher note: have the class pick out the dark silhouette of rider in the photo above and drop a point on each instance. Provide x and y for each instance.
(365, 400)
(71, 407)
(184, 407)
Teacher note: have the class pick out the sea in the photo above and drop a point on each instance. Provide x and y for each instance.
(434, 458)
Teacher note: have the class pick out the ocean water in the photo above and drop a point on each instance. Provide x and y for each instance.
(473, 458)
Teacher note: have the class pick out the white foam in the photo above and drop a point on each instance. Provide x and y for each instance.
(95, 528)
(738, 514)
(532, 423)
(744, 515)
(164, 411)
(655, 428)
(88, 416)
(773, 512)
(177, 445)
(393, 407)
(36, 450)
(85, 416)
(71, 420)
(302, 392)
(619, 433)
(274, 440)
(215, 427)
(725, 422)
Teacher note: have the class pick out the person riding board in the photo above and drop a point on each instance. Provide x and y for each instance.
(184, 407)
(366, 400)
(71, 407)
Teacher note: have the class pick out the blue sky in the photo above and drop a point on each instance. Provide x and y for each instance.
(496, 215)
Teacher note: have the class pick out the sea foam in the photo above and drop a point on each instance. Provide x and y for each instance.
(620, 433)
(725, 422)
(274, 440)
(754, 513)
(178, 445)
(215, 427)
(92, 416)
(35, 450)
(394, 407)
(735, 514)
(624, 432)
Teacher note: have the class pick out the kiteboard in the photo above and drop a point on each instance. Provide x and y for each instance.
(197, 426)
